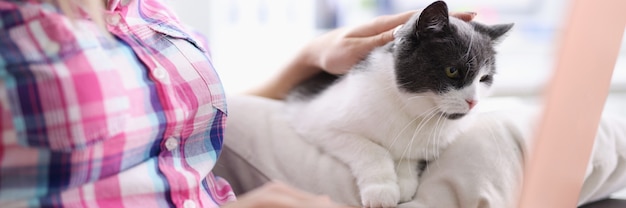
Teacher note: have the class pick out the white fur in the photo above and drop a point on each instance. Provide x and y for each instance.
(380, 132)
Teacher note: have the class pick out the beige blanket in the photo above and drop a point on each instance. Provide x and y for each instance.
(482, 168)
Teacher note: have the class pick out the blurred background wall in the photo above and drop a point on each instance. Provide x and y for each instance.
(251, 39)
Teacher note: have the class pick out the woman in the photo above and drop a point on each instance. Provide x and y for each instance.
(117, 104)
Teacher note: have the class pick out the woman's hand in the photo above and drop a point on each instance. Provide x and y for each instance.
(336, 52)
(279, 195)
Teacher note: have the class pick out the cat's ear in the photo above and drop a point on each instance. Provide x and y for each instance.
(496, 32)
(433, 20)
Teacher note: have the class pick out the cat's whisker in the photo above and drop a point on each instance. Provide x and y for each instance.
(384, 89)
(417, 96)
(403, 85)
(470, 64)
(441, 129)
(387, 88)
(422, 124)
(436, 132)
(494, 138)
(391, 86)
(428, 112)
(434, 135)
(405, 150)
(424, 117)
(427, 139)
(408, 124)
(469, 48)
(402, 131)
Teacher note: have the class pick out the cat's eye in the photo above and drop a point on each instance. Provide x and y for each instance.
(452, 72)
(485, 78)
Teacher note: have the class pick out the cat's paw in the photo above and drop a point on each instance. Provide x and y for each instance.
(380, 195)
(408, 187)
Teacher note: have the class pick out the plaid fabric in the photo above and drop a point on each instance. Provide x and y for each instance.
(87, 120)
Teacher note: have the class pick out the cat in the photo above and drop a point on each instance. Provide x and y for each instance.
(402, 104)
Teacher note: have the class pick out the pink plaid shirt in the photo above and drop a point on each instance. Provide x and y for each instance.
(91, 121)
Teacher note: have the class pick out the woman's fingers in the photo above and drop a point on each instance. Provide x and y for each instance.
(465, 16)
(388, 22)
(285, 189)
(372, 42)
(380, 24)
(279, 195)
(379, 31)
(383, 37)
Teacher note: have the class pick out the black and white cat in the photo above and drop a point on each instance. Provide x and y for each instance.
(401, 105)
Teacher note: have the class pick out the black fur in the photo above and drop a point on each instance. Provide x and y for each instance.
(431, 43)
(313, 86)
(426, 45)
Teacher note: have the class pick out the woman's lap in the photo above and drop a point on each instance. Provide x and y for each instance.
(484, 165)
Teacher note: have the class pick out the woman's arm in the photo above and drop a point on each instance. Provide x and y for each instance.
(335, 52)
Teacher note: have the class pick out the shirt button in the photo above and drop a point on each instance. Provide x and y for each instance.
(159, 73)
(113, 19)
(189, 204)
(171, 143)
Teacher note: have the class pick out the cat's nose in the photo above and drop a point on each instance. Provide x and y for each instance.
(471, 103)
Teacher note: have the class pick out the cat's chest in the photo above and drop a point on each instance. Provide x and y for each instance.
(417, 139)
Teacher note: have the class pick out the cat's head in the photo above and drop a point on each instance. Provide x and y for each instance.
(446, 61)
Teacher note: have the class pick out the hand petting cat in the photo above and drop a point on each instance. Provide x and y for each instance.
(336, 51)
